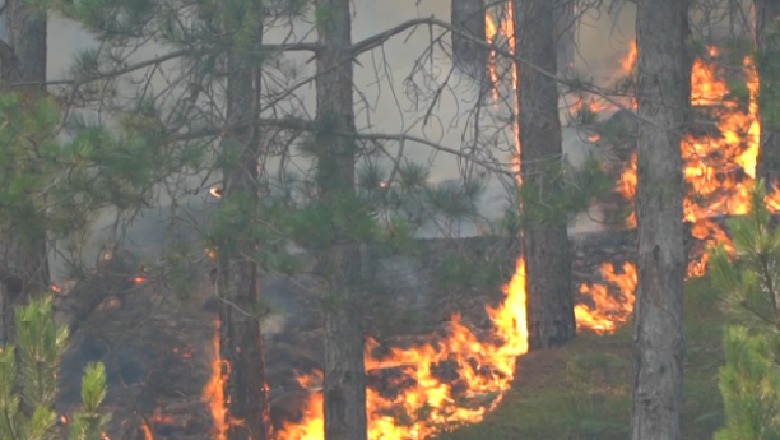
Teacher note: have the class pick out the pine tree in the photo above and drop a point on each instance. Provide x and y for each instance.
(750, 378)
(545, 240)
(663, 96)
(750, 385)
(23, 69)
(28, 387)
(750, 287)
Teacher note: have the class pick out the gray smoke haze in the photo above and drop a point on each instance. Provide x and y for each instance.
(388, 102)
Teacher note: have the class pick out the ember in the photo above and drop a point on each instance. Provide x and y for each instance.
(216, 191)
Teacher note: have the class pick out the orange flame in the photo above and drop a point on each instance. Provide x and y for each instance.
(719, 168)
(608, 311)
(214, 393)
(719, 171)
(484, 372)
(502, 26)
(628, 63)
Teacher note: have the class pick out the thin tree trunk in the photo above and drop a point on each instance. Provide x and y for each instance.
(545, 246)
(768, 64)
(345, 384)
(23, 62)
(663, 96)
(241, 341)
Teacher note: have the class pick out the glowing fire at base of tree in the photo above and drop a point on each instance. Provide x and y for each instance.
(214, 393)
(485, 370)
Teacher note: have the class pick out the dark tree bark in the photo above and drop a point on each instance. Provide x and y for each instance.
(663, 96)
(768, 65)
(469, 56)
(241, 341)
(23, 56)
(23, 70)
(566, 36)
(345, 384)
(545, 245)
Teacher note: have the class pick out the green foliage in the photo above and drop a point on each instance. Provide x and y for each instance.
(750, 384)
(28, 384)
(58, 186)
(460, 271)
(750, 284)
(88, 423)
(27, 155)
(562, 191)
(320, 223)
(750, 379)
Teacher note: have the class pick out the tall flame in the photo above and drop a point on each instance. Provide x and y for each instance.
(719, 172)
(214, 391)
(483, 372)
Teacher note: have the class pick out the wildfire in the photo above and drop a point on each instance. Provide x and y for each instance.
(214, 392)
(628, 63)
(720, 167)
(608, 311)
(501, 26)
(719, 172)
(484, 371)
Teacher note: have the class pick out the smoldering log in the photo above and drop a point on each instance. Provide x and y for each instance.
(469, 56)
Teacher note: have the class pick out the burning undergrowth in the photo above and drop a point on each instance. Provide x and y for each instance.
(452, 370)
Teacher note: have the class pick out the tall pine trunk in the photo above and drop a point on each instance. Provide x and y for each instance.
(545, 245)
(566, 36)
(241, 341)
(768, 64)
(24, 261)
(345, 384)
(663, 96)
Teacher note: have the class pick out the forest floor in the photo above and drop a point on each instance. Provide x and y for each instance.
(583, 391)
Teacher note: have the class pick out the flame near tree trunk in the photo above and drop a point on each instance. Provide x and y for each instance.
(484, 372)
(719, 173)
(720, 169)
